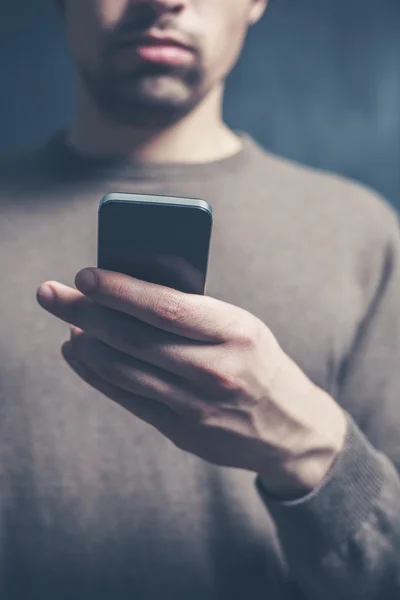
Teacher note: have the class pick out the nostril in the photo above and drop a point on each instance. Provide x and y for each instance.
(170, 6)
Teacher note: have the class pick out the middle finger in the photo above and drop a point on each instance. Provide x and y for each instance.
(126, 334)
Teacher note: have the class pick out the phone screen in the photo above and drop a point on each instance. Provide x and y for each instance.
(167, 244)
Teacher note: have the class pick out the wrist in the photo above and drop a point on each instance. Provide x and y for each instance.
(294, 477)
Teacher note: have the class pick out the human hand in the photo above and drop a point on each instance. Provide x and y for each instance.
(208, 375)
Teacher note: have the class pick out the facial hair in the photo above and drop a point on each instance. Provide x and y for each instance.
(135, 98)
(141, 94)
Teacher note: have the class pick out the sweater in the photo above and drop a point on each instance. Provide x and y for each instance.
(97, 504)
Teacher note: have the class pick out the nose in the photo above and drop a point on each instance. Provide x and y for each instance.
(171, 6)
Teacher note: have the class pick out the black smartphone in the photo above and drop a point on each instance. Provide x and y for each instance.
(159, 239)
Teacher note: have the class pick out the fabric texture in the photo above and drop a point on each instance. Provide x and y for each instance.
(96, 504)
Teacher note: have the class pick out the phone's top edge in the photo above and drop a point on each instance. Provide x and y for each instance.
(154, 199)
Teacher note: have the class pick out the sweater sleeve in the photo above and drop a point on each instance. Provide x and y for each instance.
(343, 539)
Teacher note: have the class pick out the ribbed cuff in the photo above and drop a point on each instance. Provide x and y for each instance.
(341, 504)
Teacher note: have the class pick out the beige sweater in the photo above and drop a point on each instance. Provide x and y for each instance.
(97, 505)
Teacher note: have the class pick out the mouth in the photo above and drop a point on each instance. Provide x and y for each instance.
(157, 49)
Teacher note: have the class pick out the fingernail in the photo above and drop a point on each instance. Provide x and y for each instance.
(74, 332)
(45, 296)
(86, 281)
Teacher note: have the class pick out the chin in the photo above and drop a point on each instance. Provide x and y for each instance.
(164, 91)
(155, 97)
(158, 102)
(147, 112)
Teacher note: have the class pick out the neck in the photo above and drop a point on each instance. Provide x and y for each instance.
(201, 136)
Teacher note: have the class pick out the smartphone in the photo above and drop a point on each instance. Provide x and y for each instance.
(159, 239)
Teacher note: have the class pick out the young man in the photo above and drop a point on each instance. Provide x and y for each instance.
(239, 445)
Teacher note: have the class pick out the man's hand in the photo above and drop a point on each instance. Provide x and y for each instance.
(208, 375)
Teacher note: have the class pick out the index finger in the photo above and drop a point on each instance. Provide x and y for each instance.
(196, 317)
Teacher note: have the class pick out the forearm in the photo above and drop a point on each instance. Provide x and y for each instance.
(343, 539)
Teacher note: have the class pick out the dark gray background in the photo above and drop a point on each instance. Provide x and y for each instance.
(319, 82)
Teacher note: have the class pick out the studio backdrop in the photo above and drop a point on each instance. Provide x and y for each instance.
(319, 82)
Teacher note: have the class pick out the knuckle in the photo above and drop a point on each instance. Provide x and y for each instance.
(162, 389)
(80, 345)
(229, 385)
(207, 416)
(170, 307)
(146, 382)
(195, 415)
(206, 419)
(120, 288)
(195, 412)
(225, 377)
(118, 370)
(245, 333)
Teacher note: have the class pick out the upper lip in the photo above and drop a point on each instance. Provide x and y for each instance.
(155, 39)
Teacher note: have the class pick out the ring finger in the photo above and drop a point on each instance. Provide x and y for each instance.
(136, 377)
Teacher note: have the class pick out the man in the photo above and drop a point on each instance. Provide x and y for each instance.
(239, 445)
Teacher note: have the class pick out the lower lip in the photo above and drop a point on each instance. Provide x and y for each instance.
(167, 55)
